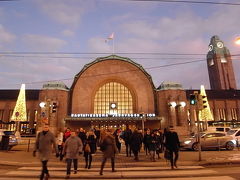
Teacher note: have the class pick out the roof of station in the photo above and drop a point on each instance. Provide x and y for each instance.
(112, 57)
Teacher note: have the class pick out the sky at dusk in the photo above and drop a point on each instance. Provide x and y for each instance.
(67, 34)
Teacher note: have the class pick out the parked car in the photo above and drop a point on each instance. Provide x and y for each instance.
(235, 133)
(213, 140)
(12, 138)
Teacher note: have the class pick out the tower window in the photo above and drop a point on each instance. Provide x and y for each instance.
(211, 62)
(223, 60)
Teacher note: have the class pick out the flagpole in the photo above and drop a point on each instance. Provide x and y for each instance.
(113, 46)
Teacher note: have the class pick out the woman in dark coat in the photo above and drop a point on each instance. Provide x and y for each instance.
(91, 141)
(147, 140)
(109, 149)
(172, 144)
(136, 143)
(117, 139)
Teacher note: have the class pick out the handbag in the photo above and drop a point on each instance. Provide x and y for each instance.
(167, 154)
(87, 148)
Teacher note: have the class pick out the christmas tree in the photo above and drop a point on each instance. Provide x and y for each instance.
(205, 113)
(19, 112)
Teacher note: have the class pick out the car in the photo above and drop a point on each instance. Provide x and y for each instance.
(235, 133)
(12, 138)
(213, 140)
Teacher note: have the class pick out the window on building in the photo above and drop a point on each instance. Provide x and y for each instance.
(10, 114)
(222, 114)
(211, 62)
(234, 113)
(113, 98)
(28, 115)
(1, 114)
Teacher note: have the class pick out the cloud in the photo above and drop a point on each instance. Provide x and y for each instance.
(43, 43)
(5, 36)
(68, 33)
(66, 12)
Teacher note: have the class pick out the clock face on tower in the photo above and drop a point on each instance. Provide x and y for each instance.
(210, 47)
(220, 45)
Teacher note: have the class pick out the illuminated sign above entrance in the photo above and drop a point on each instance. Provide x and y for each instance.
(111, 115)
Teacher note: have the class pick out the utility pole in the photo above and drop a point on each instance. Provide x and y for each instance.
(198, 131)
(194, 100)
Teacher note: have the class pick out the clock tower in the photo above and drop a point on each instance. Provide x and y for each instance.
(220, 68)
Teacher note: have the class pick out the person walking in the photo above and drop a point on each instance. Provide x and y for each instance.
(82, 135)
(59, 142)
(136, 143)
(172, 144)
(89, 148)
(116, 134)
(72, 148)
(67, 134)
(126, 137)
(146, 141)
(109, 149)
(44, 143)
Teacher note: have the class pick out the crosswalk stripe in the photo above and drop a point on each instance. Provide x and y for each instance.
(119, 174)
(185, 178)
(119, 169)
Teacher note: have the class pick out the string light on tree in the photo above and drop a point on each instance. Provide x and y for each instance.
(205, 113)
(19, 113)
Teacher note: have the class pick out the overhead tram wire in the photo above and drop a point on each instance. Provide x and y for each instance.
(84, 57)
(96, 53)
(192, 2)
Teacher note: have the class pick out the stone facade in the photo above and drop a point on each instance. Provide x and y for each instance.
(167, 105)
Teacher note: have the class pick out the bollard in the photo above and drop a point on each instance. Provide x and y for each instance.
(218, 144)
(28, 145)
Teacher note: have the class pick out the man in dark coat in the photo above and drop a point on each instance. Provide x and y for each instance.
(136, 143)
(172, 144)
(43, 145)
(126, 137)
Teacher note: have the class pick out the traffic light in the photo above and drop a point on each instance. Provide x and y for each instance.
(54, 107)
(193, 99)
(202, 102)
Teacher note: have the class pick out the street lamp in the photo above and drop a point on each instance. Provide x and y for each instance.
(42, 104)
(182, 103)
(237, 41)
(173, 104)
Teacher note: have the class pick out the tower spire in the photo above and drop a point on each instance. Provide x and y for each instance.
(220, 68)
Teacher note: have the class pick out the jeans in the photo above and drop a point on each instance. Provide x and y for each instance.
(69, 164)
(173, 160)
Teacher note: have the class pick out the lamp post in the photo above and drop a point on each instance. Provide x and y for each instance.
(237, 41)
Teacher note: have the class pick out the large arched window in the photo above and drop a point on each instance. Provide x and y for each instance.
(113, 98)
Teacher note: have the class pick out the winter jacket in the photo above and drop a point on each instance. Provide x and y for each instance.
(43, 145)
(109, 146)
(72, 147)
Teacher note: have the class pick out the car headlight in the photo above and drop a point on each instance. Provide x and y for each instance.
(187, 142)
(234, 142)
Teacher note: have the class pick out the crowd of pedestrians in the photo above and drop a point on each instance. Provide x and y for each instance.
(71, 144)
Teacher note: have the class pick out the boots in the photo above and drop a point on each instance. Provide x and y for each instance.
(90, 161)
(86, 161)
(102, 166)
(113, 165)
(101, 170)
